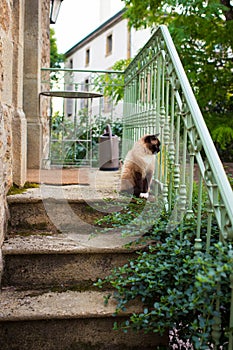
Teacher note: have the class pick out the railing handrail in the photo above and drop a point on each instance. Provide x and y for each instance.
(214, 161)
(207, 142)
(71, 70)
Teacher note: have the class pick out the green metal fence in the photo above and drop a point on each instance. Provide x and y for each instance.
(158, 98)
(78, 113)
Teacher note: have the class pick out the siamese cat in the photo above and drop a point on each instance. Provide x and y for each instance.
(139, 165)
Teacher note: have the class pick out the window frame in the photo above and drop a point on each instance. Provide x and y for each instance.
(109, 44)
(87, 57)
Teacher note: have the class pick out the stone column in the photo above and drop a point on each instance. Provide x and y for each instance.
(19, 124)
(32, 80)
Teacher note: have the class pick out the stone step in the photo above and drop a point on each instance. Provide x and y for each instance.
(52, 255)
(63, 260)
(54, 215)
(68, 320)
(28, 214)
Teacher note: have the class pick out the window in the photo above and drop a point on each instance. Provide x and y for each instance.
(84, 87)
(109, 45)
(87, 58)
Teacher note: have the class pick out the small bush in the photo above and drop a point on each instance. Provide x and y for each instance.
(177, 286)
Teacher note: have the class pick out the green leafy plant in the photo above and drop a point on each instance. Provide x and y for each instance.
(180, 289)
(202, 33)
(177, 287)
(55, 58)
(230, 179)
(221, 129)
(127, 213)
(76, 151)
(112, 85)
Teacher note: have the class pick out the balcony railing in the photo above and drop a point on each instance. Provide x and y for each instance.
(158, 98)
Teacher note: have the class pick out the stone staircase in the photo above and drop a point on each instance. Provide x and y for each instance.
(48, 300)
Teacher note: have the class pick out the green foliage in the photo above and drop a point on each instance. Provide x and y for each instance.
(178, 288)
(221, 127)
(134, 218)
(112, 84)
(63, 129)
(18, 190)
(230, 179)
(223, 135)
(55, 58)
(202, 32)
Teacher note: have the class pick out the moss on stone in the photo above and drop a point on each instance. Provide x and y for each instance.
(18, 190)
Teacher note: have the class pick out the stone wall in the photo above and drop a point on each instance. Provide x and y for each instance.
(36, 44)
(6, 108)
(13, 84)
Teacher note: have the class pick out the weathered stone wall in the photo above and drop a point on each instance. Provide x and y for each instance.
(36, 45)
(19, 123)
(6, 108)
(13, 121)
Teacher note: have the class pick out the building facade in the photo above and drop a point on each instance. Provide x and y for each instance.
(110, 42)
(100, 50)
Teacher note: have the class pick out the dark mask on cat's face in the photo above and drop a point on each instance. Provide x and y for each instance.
(153, 143)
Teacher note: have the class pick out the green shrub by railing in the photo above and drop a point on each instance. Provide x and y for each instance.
(177, 287)
(178, 290)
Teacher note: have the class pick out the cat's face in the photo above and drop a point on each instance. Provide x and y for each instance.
(153, 143)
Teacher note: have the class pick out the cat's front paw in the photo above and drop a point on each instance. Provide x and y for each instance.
(144, 195)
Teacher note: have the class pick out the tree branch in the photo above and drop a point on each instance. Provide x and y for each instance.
(228, 14)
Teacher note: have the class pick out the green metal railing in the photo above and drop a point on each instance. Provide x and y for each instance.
(158, 98)
(76, 121)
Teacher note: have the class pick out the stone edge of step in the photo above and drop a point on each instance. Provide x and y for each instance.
(35, 305)
(71, 244)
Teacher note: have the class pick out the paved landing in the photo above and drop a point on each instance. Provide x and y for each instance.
(93, 185)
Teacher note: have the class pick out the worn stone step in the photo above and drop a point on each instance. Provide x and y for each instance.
(55, 215)
(68, 320)
(63, 260)
(58, 214)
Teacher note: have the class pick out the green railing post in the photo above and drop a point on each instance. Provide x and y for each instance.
(230, 345)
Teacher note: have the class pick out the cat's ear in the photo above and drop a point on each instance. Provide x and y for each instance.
(147, 138)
